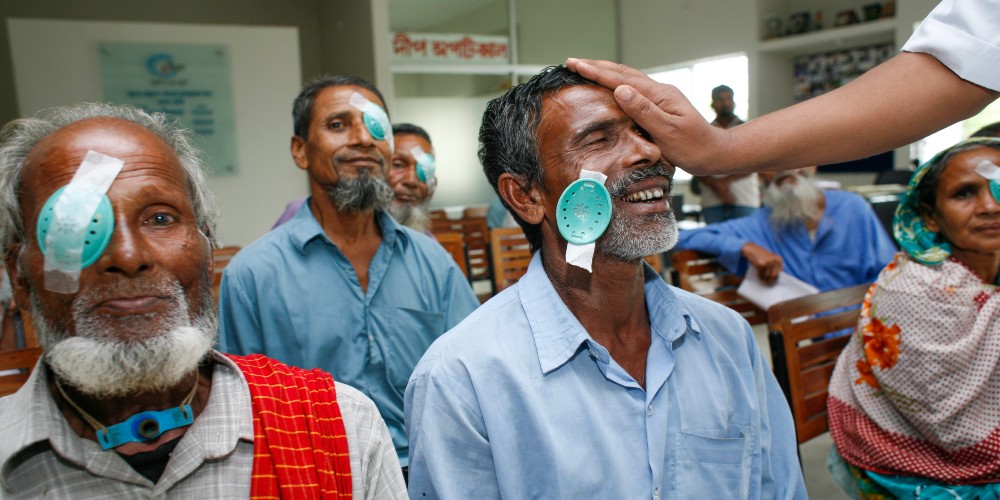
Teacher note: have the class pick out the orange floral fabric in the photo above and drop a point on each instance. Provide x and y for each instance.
(916, 391)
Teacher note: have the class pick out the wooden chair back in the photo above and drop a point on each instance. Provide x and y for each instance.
(476, 236)
(511, 256)
(703, 274)
(803, 361)
(15, 367)
(475, 211)
(222, 257)
(655, 261)
(452, 242)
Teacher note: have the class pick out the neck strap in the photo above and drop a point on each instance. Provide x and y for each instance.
(143, 426)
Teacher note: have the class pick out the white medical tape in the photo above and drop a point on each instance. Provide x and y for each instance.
(988, 170)
(71, 217)
(425, 161)
(582, 256)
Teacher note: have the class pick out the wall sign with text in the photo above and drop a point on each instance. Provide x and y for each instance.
(448, 48)
(190, 82)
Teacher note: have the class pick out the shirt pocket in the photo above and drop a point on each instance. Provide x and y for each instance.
(414, 331)
(713, 462)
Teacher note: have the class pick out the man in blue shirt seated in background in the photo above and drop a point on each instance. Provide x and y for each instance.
(342, 286)
(829, 239)
(602, 384)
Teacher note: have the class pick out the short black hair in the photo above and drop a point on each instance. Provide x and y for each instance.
(991, 130)
(303, 106)
(411, 129)
(720, 89)
(508, 137)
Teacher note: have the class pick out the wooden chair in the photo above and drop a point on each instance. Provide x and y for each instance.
(703, 274)
(656, 262)
(511, 256)
(803, 363)
(452, 242)
(15, 367)
(475, 211)
(222, 257)
(476, 236)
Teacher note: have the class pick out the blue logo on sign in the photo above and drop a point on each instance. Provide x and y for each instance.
(162, 65)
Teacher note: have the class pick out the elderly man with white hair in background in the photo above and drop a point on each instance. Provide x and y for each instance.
(107, 226)
(829, 239)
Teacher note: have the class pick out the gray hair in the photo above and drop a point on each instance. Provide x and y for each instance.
(20, 136)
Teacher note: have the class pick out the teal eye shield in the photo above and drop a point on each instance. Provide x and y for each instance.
(375, 118)
(65, 247)
(426, 165)
(76, 222)
(584, 211)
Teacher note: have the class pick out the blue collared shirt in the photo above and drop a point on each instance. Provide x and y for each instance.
(851, 246)
(292, 295)
(518, 401)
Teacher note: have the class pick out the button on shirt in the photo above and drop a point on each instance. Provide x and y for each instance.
(851, 246)
(518, 401)
(292, 295)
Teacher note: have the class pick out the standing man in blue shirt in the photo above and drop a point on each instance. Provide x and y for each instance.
(342, 286)
(829, 239)
(602, 384)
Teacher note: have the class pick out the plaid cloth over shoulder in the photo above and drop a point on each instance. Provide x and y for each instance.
(300, 444)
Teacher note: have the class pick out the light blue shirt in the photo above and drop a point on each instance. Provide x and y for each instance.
(292, 295)
(518, 401)
(851, 246)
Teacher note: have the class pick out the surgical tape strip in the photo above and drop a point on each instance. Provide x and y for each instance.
(990, 171)
(374, 112)
(582, 256)
(71, 218)
(426, 166)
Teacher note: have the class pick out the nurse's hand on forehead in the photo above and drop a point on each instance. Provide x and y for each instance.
(900, 101)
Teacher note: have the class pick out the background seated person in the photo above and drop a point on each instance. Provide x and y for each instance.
(914, 397)
(829, 239)
(412, 177)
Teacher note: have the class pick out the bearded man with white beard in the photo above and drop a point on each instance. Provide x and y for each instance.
(829, 239)
(107, 226)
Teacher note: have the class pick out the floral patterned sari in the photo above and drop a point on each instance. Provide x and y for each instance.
(916, 392)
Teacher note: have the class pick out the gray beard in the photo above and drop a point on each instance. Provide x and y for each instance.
(791, 204)
(102, 361)
(413, 217)
(631, 239)
(363, 192)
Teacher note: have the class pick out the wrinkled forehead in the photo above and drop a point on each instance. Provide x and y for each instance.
(52, 163)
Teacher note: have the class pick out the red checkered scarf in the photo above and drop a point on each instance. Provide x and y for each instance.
(916, 391)
(300, 445)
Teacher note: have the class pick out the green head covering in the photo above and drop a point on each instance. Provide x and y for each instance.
(922, 244)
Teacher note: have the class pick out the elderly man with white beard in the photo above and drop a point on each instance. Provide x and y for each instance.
(829, 239)
(107, 226)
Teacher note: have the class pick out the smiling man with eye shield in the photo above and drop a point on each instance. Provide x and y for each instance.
(342, 286)
(591, 377)
(107, 225)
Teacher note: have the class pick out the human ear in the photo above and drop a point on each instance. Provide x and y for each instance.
(526, 204)
(298, 148)
(929, 222)
(18, 283)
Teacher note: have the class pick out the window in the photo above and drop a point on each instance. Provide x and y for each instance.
(697, 79)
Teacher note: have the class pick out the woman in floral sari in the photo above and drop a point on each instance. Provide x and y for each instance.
(914, 405)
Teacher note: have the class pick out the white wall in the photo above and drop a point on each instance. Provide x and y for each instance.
(453, 124)
(265, 78)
